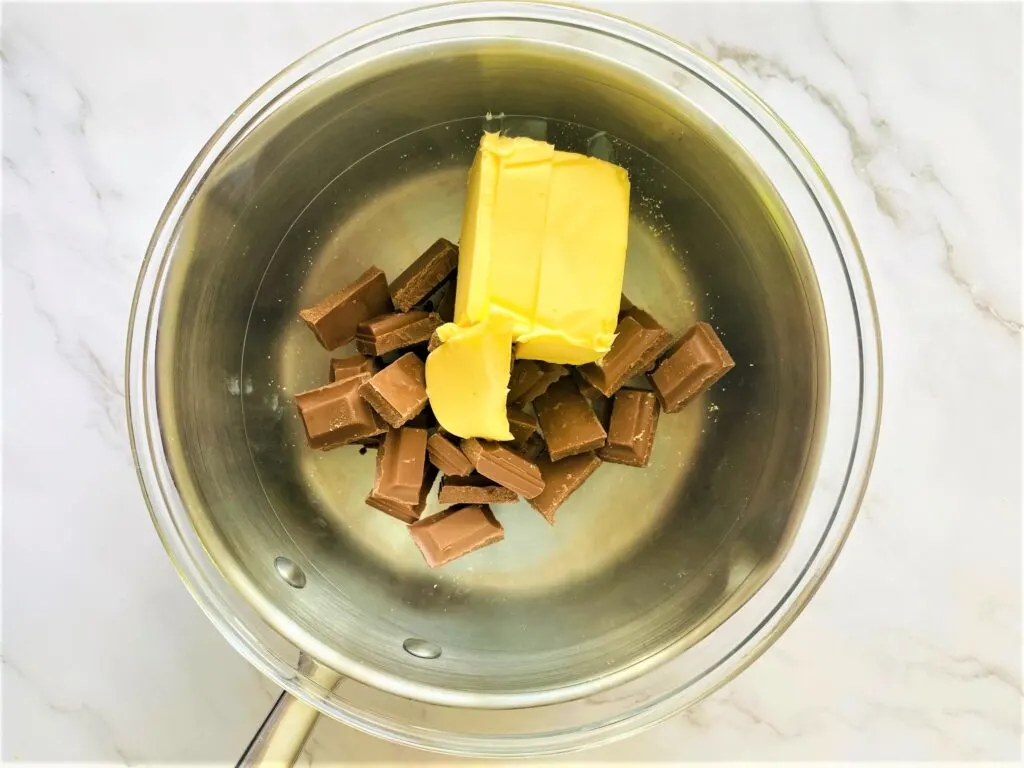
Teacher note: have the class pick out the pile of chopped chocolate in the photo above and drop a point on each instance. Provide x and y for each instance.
(565, 421)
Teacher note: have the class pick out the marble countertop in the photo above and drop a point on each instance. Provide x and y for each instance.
(911, 650)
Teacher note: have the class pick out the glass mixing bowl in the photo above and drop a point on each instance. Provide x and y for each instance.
(657, 586)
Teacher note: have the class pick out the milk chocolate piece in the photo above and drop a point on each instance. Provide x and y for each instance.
(638, 342)
(504, 466)
(447, 456)
(455, 532)
(532, 448)
(568, 421)
(531, 378)
(631, 429)
(521, 424)
(692, 365)
(334, 319)
(561, 480)
(446, 302)
(433, 343)
(552, 373)
(346, 367)
(474, 489)
(602, 405)
(660, 340)
(424, 275)
(335, 414)
(396, 331)
(525, 375)
(403, 477)
(399, 392)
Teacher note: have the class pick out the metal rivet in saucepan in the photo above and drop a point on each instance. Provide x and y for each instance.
(290, 572)
(424, 649)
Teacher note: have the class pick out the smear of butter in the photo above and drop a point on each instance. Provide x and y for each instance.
(467, 378)
(544, 244)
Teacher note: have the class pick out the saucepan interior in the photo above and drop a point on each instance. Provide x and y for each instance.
(368, 167)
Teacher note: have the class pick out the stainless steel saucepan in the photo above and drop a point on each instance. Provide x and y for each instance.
(657, 585)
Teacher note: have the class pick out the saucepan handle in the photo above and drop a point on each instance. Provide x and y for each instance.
(284, 732)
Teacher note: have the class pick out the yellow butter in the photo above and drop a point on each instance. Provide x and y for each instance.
(467, 378)
(544, 244)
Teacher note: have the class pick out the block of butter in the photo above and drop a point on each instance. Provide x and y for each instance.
(467, 378)
(541, 262)
(544, 244)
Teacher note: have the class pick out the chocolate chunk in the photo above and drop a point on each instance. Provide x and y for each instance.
(660, 340)
(346, 367)
(504, 466)
(531, 378)
(692, 365)
(602, 405)
(474, 489)
(447, 456)
(525, 375)
(334, 319)
(521, 424)
(532, 448)
(399, 392)
(434, 343)
(638, 342)
(403, 477)
(335, 414)
(568, 421)
(561, 480)
(631, 430)
(446, 302)
(552, 373)
(455, 532)
(396, 331)
(424, 275)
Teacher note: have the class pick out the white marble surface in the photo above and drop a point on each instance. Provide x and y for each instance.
(912, 647)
